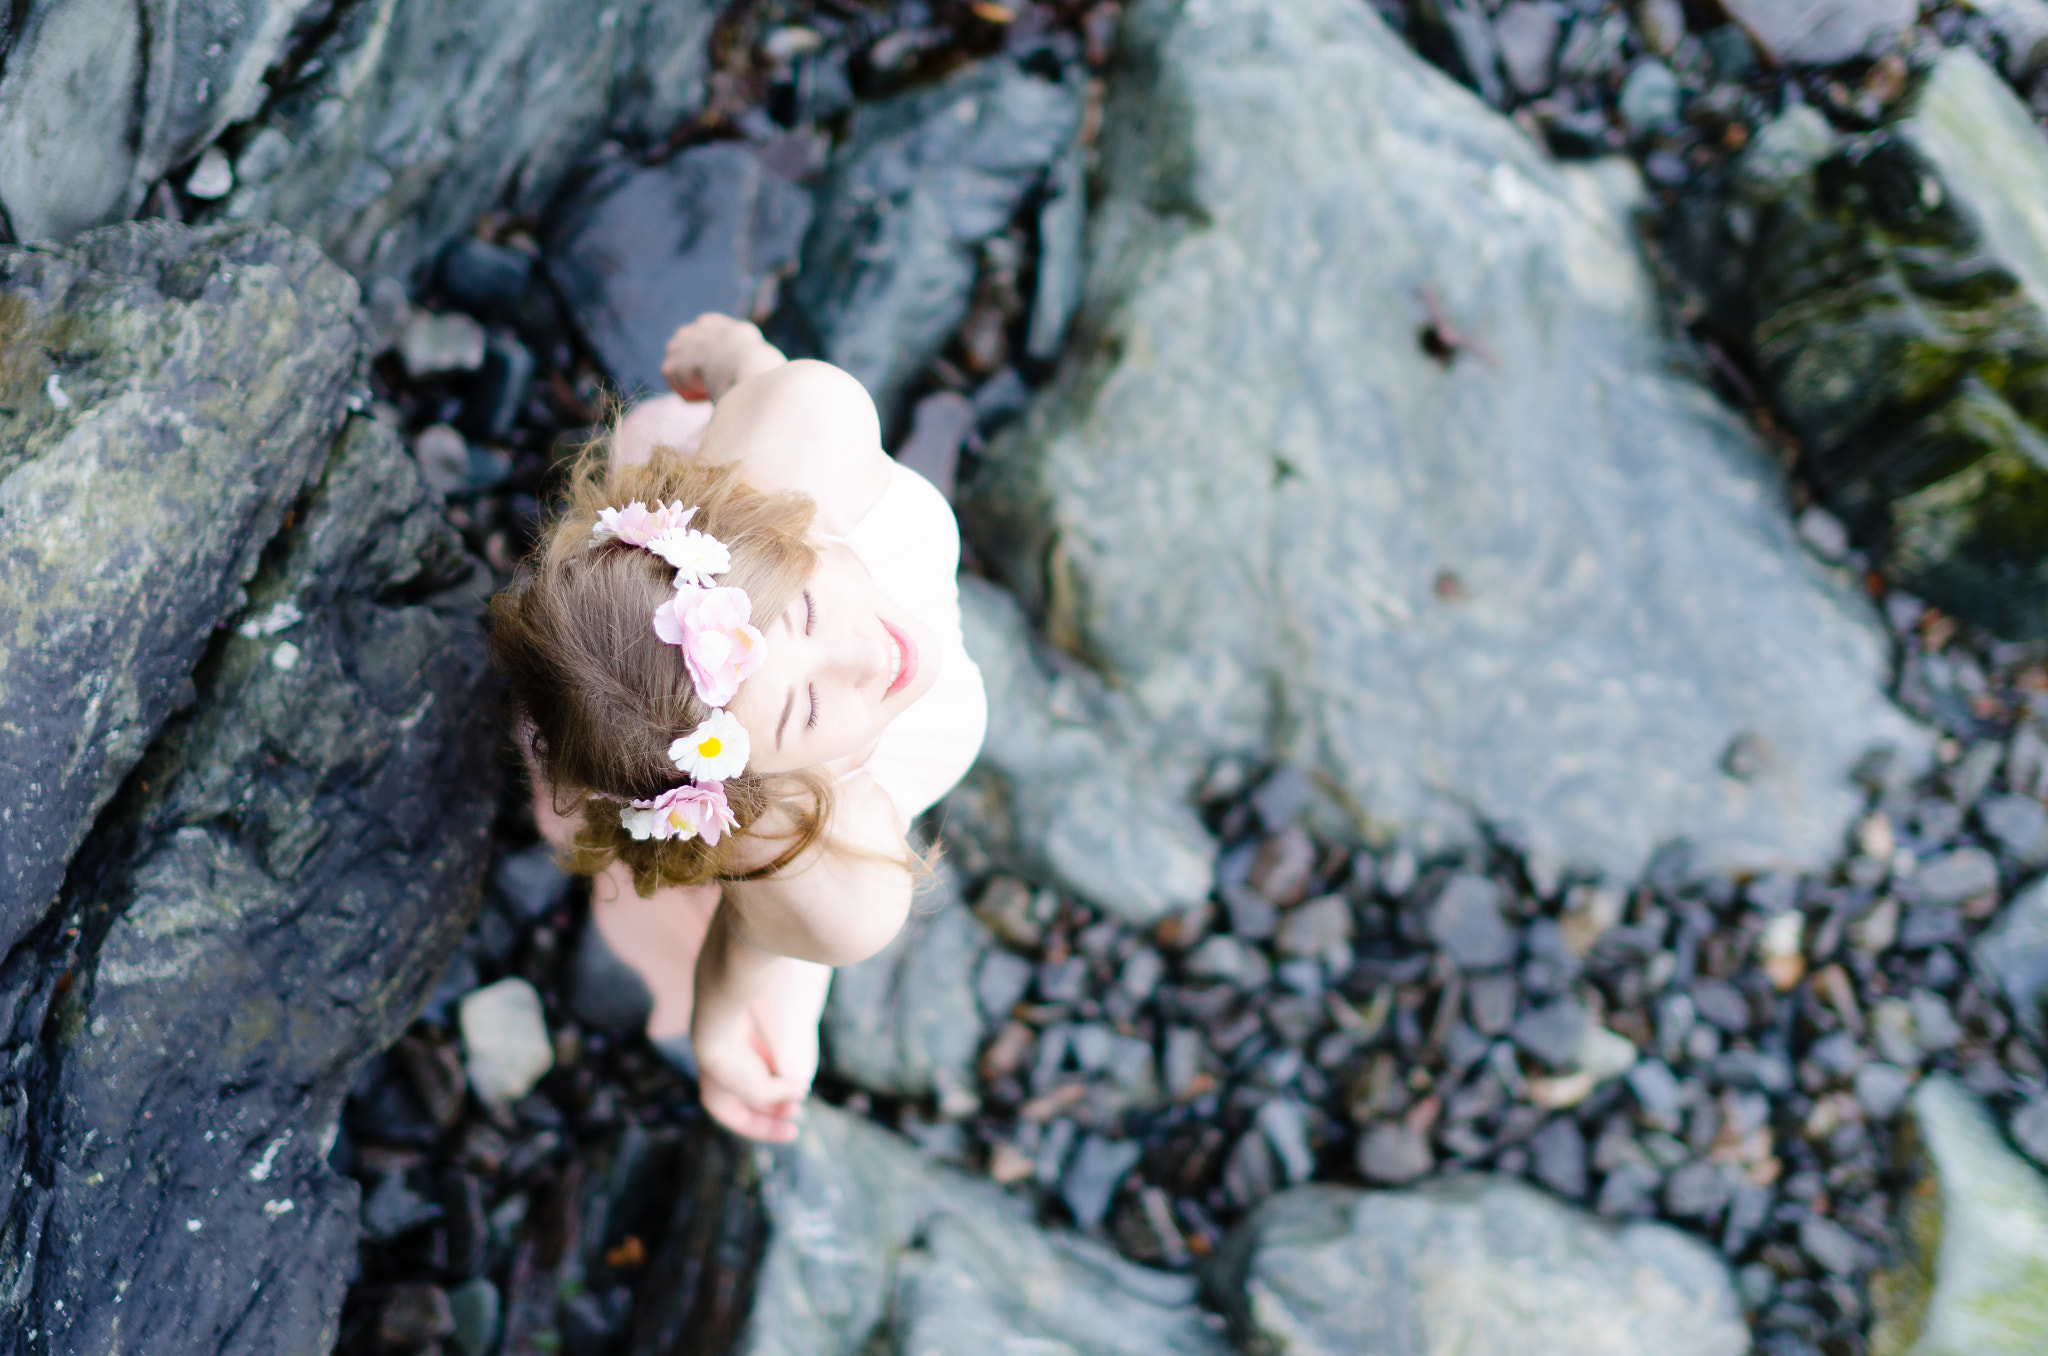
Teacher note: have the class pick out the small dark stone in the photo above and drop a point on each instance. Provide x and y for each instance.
(394, 1208)
(1559, 1149)
(1696, 1191)
(1721, 1003)
(1953, 877)
(435, 1072)
(1930, 925)
(1829, 1244)
(1552, 1033)
(469, 1233)
(1490, 999)
(484, 279)
(1394, 1154)
(604, 991)
(531, 881)
(1758, 1069)
(413, 1314)
(1248, 1173)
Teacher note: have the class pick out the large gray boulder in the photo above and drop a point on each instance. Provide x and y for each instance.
(1892, 289)
(167, 396)
(1972, 1274)
(1369, 455)
(919, 183)
(286, 869)
(860, 1246)
(1479, 1266)
(389, 128)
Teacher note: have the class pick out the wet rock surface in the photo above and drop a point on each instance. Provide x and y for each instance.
(272, 890)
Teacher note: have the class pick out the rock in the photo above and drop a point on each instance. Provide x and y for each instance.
(1483, 1266)
(488, 281)
(1974, 1277)
(1228, 958)
(1882, 1089)
(2012, 954)
(212, 408)
(1527, 31)
(1455, 35)
(1465, 920)
(861, 1248)
(2018, 824)
(1001, 981)
(435, 343)
(1821, 32)
(638, 252)
(1091, 1179)
(443, 456)
(1314, 927)
(905, 1022)
(505, 1043)
(531, 881)
(918, 183)
(1559, 1151)
(212, 177)
(1057, 795)
(1936, 272)
(1552, 1033)
(1394, 1153)
(474, 1306)
(1062, 237)
(939, 426)
(2024, 26)
(1697, 1191)
(392, 1209)
(604, 991)
(2030, 1129)
(289, 866)
(413, 1314)
(1952, 878)
(1408, 556)
(1649, 98)
(1662, 23)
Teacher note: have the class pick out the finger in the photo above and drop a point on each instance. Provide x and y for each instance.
(754, 1086)
(742, 1119)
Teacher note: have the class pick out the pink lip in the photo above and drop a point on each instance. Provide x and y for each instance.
(909, 670)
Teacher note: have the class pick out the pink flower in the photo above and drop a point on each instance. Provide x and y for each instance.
(682, 812)
(638, 525)
(720, 648)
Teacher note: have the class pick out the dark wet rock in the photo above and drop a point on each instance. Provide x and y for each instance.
(1420, 617)
(407, 123)
(1056, 793)
(155, 377)
(1936, 279)
(284, 876)
(604, 991)
(1465, 920)
(906, 1021)
(1394, 1153)
(640, 251)
(475, 1307)
(1821, 32)
(2019, 825)
(1552, 1033)
(2012, 954)
(1558, 1157)
(1503, 1267)
(920, 181)
(488, 281)
(854, 1244)
(1974, 1240)
(531, 880)
(1091, 1179)
(1952, 878)
(939, 427)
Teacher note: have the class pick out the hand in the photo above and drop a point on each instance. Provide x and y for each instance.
(755, 1067)
(700, 360)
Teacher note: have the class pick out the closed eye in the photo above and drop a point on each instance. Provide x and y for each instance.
(812, 723)
(810, 615)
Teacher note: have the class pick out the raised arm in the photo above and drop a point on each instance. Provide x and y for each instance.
(801, 425)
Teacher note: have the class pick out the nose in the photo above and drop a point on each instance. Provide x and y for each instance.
(859, 660)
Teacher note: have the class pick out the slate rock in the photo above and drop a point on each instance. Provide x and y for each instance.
(1483, 1266)
(1952, 878)
(1394, 1153)
(1559, 1157)
(905, 1022)
(2030, 1129)
(1973, 1274)
(153, 377)
(1936, 269)
(276, 889)
(1465, 920)
(1552, 1033)
(2012, 954)
(1091, 1179)
(859, 1247)
(505, 1044)
(1056, 794)
(488, 281)
(1609, 528)
(2018, 824)
(918, 182)
(1527, 32)
(637, 252)
(1821, 32)
(531, 880)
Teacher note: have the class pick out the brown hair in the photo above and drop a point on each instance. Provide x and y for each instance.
(602, 697)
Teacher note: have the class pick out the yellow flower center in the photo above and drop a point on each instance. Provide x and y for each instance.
(710, 747)
(675, 820)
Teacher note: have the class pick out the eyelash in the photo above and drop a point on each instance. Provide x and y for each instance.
(812, 723)
(810, 611)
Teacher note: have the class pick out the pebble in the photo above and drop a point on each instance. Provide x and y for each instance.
(1393, 1153)
(2019, 824)
(1009, 909)
(483, 278)
(1552, 1033)
(1882, 1089)
(1183, 1061)
(1657, 1091)
(394, 1208)
(531, 880)
(1527, 32)
(1934, 1024)
(1285, 1127)
(1829, 1244)
(1895, 1032)
(1696, 1191)
(1490, 1000)
(1253, 917)
(1285, 866)
(413, 1314)
(1001, 981)
(1719, 1002)
(504, 1041)
(1227, 958)
(1063, 981)
(443, 457)
(1465, 920)
(2030, 1129)
(1559, 1157)
(213, 178)
(1315, 927)
(1091, 1179)
(1649, 98)
(1248, 1172)
(432, 344)
(1280, 800)
(1954, 877)
(475, 1307)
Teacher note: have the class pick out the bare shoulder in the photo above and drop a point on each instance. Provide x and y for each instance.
(806, 426)
(845, 898)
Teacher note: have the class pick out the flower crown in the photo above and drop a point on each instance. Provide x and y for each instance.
(711, 625)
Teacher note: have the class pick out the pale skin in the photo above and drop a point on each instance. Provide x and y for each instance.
(744, 969)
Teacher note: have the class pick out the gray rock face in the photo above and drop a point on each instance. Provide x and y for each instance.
(287, 867)
(1974, 1279)
(1478, 1266)
(905, 1021)
(1542, 583)
(640, 251)
(411, 118)
(922, 179)
(167, 396)
(1894, 291)
(2012, 954)
(1056, 794)
(1821, 31)
(870, 1250)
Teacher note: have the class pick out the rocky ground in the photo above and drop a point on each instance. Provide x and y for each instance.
(1730, 1058)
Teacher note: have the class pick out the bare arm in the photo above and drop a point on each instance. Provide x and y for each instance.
(804, 426)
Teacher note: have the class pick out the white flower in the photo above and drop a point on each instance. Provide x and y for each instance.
(696, 555)
(714, 751)
(643, 824)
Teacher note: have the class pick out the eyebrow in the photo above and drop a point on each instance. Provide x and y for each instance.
(788, 706)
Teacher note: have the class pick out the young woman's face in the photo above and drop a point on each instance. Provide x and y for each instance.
(843, 660)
